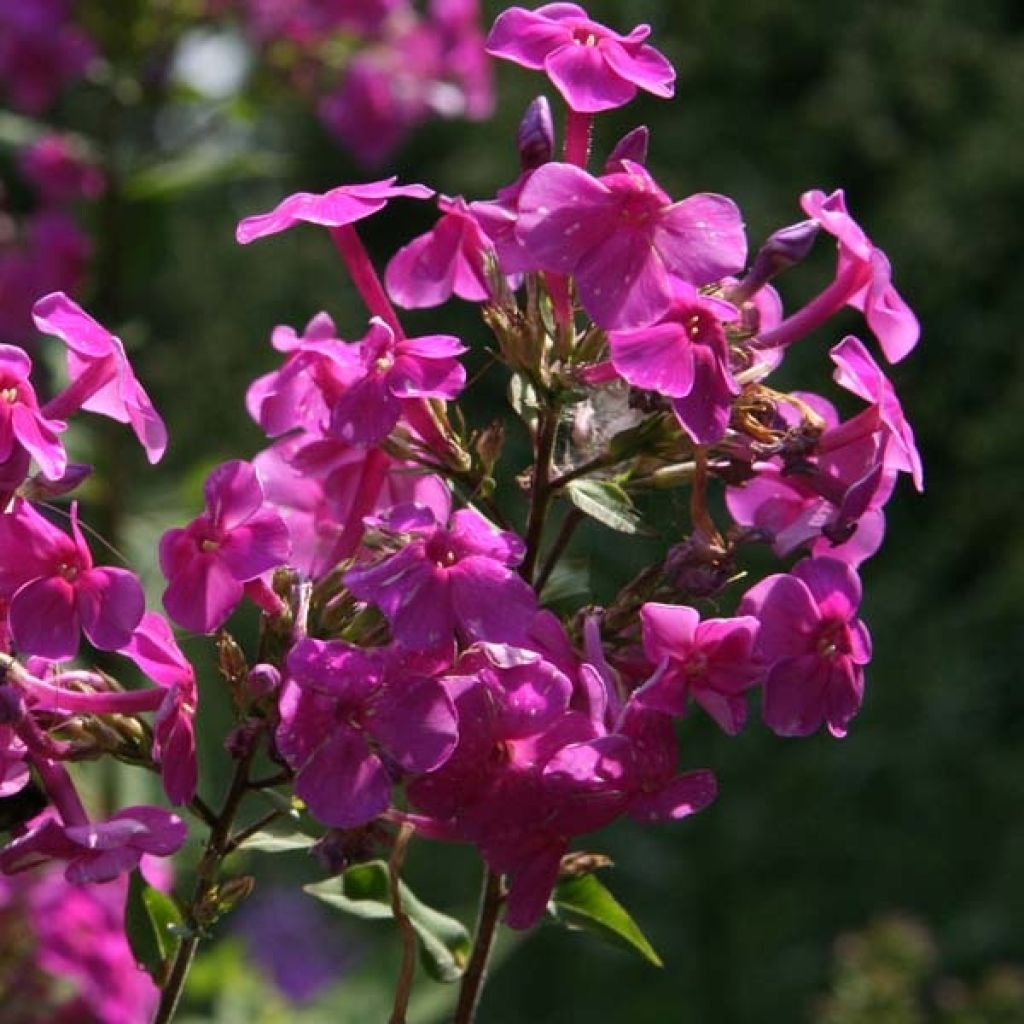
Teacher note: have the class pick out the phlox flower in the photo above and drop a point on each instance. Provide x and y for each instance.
(343, 205)
(684, 356)
(447, 580)
(346, 713)
(593, 67)
(236, 540)
(56, 593)
(96, 851)
(814, 645)
(712, 661)
(102, 379)
(622, 238)
(23, 428)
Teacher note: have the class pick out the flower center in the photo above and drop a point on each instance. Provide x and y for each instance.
(833, 639)
(69, 571)
(208, 545)
(9, 395)
(584, 37)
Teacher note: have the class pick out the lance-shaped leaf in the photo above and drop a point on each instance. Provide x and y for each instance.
(152, 923)
(607, 502)
(584, 903)
(365, 891)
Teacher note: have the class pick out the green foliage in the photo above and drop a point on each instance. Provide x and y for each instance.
(584, 903)
(152, 924)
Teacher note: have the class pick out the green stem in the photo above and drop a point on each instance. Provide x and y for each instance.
(217, 848)
(573, 518)
(483, 943)
(540, 498)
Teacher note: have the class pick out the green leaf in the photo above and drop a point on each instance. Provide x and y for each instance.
(364, 891)
(607, 502)
(584, 903)
(201, 167)
(523, 398)
(277, 840)
(152, 920)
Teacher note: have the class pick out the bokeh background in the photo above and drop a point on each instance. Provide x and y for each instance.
(916, 108)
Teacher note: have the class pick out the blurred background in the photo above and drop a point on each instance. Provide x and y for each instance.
(878, 878)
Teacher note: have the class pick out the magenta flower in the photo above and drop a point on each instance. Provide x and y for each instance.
(684, 356)
(59, 171)
(345, 204)
(622, 238)
(23, 428)
(96, 851)
(236, 540)
(449, 259)
(859, 373)
(393, 369)
(445, 581)
(154, 649)
(712, 661)
(815, 646)
(55, 591)
(342, 710)
(592, 67)
(863, 280)
(102, 379)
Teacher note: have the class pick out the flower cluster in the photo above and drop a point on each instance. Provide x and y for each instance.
(413, 675)
(377, 68)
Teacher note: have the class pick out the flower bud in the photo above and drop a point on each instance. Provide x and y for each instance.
(263, 680)
(783, 249)
(632, 146)
(536, 135)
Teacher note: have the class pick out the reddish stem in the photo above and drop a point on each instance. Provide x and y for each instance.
(364, 277)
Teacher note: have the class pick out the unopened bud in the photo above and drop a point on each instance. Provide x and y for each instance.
(783, 249)
(536, 135)
(632, 146)
(489, 444)
(230, 658)
(263, 680)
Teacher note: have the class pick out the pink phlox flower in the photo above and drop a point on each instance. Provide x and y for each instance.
(14, 769)
(236, 540)
(815, 646)
(866, 275)
(451, 258)
(831, 501)
(391, 370)
(154, 649)
(59, 171)
(622, 238)
(352, 721)
(684, 356)
(96, 851)
(497, 218)
(102, 379)
(323, 489)
(859, 373)
(317, 368)
(711, 661)
(56, 593)
(447, 580)
(593, 67)
(345, 204)
(23, 428)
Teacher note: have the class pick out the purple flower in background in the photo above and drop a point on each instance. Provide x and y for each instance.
(447, 580)
(236, 540)
(814, 645)
(59, 172)
(342, 710)
(712, 661)
(345, 204)
(56, 593)
(102, 379)
(592, 67)
(622, 238)
(295, 944)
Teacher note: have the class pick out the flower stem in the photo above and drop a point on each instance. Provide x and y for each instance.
(217, 848)
(483, 943)
(364, 277)
(540, 497)
(577, 138)
(403, 990)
